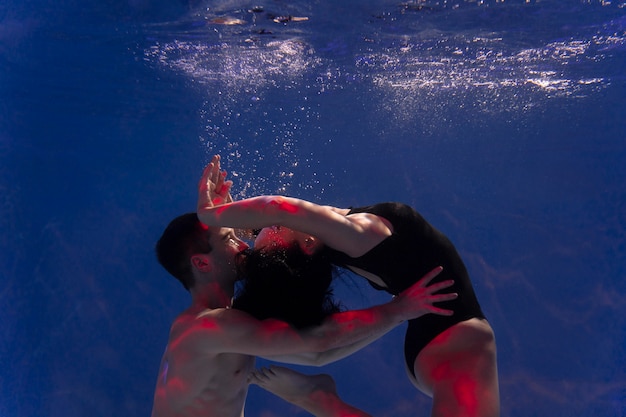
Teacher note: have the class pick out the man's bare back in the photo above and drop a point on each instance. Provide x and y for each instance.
(194, 383)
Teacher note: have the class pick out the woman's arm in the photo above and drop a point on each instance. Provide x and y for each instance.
(326, 357)
(353, 235)
(232, 331)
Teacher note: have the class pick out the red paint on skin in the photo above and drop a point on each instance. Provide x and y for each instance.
(201, 324)
(288, 207)
(348, 316)
(176, 384)
(464, 386)
(208, 324)
(219, 210)
(465, 392)
(442, 372)
(275, 325)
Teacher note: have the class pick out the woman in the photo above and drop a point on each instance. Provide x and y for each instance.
(450, 358)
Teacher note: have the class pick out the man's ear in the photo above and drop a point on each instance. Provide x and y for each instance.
(201, 262)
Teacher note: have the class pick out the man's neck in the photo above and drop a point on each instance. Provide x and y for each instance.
(212, 295)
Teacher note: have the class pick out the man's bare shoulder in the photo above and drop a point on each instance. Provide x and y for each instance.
(196, 317)
(191, 318)
(208, 328)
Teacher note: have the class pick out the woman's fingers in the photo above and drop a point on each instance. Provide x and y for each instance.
(429, 276)
(439, 286)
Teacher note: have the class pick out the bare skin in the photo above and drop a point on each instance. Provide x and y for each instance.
(316, 394)
(195, 380)
(446, 370)
(457, 369)
(211, 347)
(201, 385)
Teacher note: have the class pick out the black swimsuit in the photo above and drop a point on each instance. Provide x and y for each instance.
(415, 248)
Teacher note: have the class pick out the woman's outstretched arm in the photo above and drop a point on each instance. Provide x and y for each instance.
(353, 235)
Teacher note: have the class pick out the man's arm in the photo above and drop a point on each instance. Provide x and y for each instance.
(233, 331)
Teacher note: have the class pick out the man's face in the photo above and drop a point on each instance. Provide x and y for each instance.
(225, 247)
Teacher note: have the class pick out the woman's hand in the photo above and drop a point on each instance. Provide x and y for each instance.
(419, 298)
(213, 189)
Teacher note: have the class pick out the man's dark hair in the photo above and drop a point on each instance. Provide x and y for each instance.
(286, 284)
(183, 237)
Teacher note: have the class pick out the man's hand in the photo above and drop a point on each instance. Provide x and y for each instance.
(418, 299)
(213, 189)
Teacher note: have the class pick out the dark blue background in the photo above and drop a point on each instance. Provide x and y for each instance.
(109, 110)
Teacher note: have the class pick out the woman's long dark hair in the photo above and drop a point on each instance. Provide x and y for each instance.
(286, 284)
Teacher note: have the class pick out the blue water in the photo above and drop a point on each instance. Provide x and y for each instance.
(504, 123)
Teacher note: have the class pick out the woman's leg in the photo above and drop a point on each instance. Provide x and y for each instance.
(316, 394)
(458, 369)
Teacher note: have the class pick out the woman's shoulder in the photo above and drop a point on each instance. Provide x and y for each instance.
(382, 208)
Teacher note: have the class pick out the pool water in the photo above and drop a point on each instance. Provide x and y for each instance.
(503, 123)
